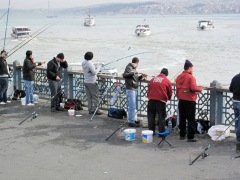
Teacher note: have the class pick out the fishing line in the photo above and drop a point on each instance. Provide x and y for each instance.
(6, 25)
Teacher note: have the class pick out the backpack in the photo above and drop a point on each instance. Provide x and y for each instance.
(117, 113)
(74, 104)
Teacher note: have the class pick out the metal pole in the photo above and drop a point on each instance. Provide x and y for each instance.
(6, 25)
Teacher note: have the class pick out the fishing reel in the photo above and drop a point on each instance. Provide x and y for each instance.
(204, 155)
(34, 116)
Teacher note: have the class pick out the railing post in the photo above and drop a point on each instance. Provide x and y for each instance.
(70, 83)
(65, 83)
(214, 103)
(17, 75)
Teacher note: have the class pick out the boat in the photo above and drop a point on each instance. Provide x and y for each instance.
(142, 30)
(21, 32)
(89, 21)
(205, 25)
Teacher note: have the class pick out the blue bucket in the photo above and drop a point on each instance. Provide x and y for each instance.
(130, 134)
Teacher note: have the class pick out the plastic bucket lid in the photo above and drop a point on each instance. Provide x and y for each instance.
(129, 131)
(147, 132)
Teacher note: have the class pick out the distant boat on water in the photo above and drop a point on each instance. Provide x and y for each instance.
(205, 25)
(21, 32)
(49, 15)
(89, 21)
(142, 30)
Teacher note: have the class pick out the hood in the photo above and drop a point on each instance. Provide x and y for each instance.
(133, 65)
(181, 78)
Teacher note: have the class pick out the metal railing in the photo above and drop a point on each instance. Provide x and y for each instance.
(214, 103)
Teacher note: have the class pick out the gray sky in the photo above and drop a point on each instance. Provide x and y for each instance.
(31, 4)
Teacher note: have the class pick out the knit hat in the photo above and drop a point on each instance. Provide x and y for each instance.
(164, 71)
(187, 64)
(60, 56)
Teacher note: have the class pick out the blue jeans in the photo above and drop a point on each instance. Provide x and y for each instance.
(236, 108)
(131, 98)
(3, 89)
(29, 91)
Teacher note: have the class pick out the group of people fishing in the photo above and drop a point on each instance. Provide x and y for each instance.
(159, 91)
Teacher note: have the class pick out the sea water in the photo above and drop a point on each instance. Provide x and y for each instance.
(174, 38)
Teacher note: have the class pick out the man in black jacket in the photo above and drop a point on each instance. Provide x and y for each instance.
(4, 74)
(131, 81)
(54, 75)
(235, 89)
(29, 67)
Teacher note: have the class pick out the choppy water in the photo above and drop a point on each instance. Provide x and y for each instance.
(215, 53)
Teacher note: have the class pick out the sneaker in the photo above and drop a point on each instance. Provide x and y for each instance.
(59, 108)
(30, 104)
(133, 125)
(36, 102)
(192, 140)
(9, 101)
(2, 103)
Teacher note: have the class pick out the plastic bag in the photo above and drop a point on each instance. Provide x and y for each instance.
(215, 131)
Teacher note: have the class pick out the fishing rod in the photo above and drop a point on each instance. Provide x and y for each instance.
(204, 154)
(125, 58)
(33, 114)
(4, 14)
(29, 40)
(6, 25)
(121, 126)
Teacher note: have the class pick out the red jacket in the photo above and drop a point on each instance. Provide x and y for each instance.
(187, 87)
(160, 88)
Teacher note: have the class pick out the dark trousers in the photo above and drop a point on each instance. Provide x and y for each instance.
(156, 107)
(3, 89)
(187, 110)
(55, 87)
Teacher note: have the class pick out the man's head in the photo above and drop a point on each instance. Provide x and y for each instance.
(164, 71)
(188, 66)
(88, 56)
(60, 57)
(4, 54)
(29, 54)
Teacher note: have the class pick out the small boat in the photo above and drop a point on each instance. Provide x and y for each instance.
(21, 32)
(205, 25)
(89, 21)
(142, 30)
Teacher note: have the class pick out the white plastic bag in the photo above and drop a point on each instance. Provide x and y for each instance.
(215, 131)
(10, 89)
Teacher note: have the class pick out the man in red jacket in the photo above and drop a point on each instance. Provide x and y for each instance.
(186, 93)
(159, 92)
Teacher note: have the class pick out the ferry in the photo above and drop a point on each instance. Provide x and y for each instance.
(142, 30)
(205, 25)
(89, 21)
(21, 32)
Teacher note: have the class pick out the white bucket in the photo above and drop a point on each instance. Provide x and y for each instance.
(147, 136)
(130, 134)
(23, 101)
(71, 112)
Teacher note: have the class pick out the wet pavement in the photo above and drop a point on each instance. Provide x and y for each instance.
(56, 146)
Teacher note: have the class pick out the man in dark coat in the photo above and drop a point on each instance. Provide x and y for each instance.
(54, 75)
